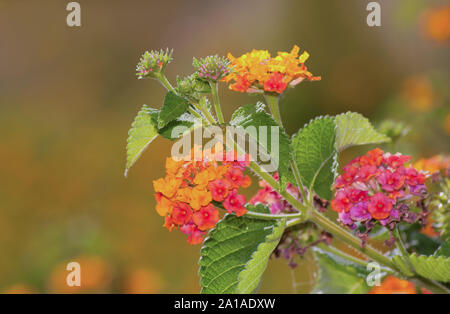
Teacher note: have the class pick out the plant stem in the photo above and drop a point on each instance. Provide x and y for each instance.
(215, 94)
(276, 186)
(274, 106)
(272, 216)
(272, 101)
(346, 256)
(350, 239)
(165, 82)
(205, 111)
(400, 245)
(196, 114)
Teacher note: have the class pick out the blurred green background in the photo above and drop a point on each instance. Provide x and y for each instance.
(69, 95)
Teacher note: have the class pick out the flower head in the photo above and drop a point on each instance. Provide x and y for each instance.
(185, 195)
(257, 71)
(375, 188)
(153, 62)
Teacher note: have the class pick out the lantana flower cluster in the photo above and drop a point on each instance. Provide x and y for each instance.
(187, 195)
(376, 187)
(257, 71)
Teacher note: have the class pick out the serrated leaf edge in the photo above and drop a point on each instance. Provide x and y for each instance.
(138, 155)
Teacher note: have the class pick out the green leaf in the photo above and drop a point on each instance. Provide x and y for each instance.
(315, 154)
(419, 242)
(235, 255)
(186, 120)
(143, 131)
(254, 115)
(337, 275)
(173, 107)
(431, 267)
(354, 129)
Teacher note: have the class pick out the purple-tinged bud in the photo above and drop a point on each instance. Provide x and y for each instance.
(153, 63)
(212, 68)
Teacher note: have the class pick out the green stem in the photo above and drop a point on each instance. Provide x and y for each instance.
(272, 216)
(215, 94)
(203, 108)
(196, 114)
(350, 239)
(272, 101)
(276, 186)
(165, 82)
(400, 244)
(346, 256)
(274, 106)
(298, 179)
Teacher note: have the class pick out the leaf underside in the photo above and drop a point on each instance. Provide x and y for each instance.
(143, 131)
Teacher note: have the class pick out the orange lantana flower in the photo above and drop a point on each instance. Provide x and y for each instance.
(257, 71)
(168, 186)
(432, 164)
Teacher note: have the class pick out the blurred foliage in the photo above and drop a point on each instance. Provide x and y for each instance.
(68, 96)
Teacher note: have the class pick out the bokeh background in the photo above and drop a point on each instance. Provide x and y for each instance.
(69, 95)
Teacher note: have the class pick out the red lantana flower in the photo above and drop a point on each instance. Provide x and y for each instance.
(235, 203)
(379, 206)
(206, 218)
